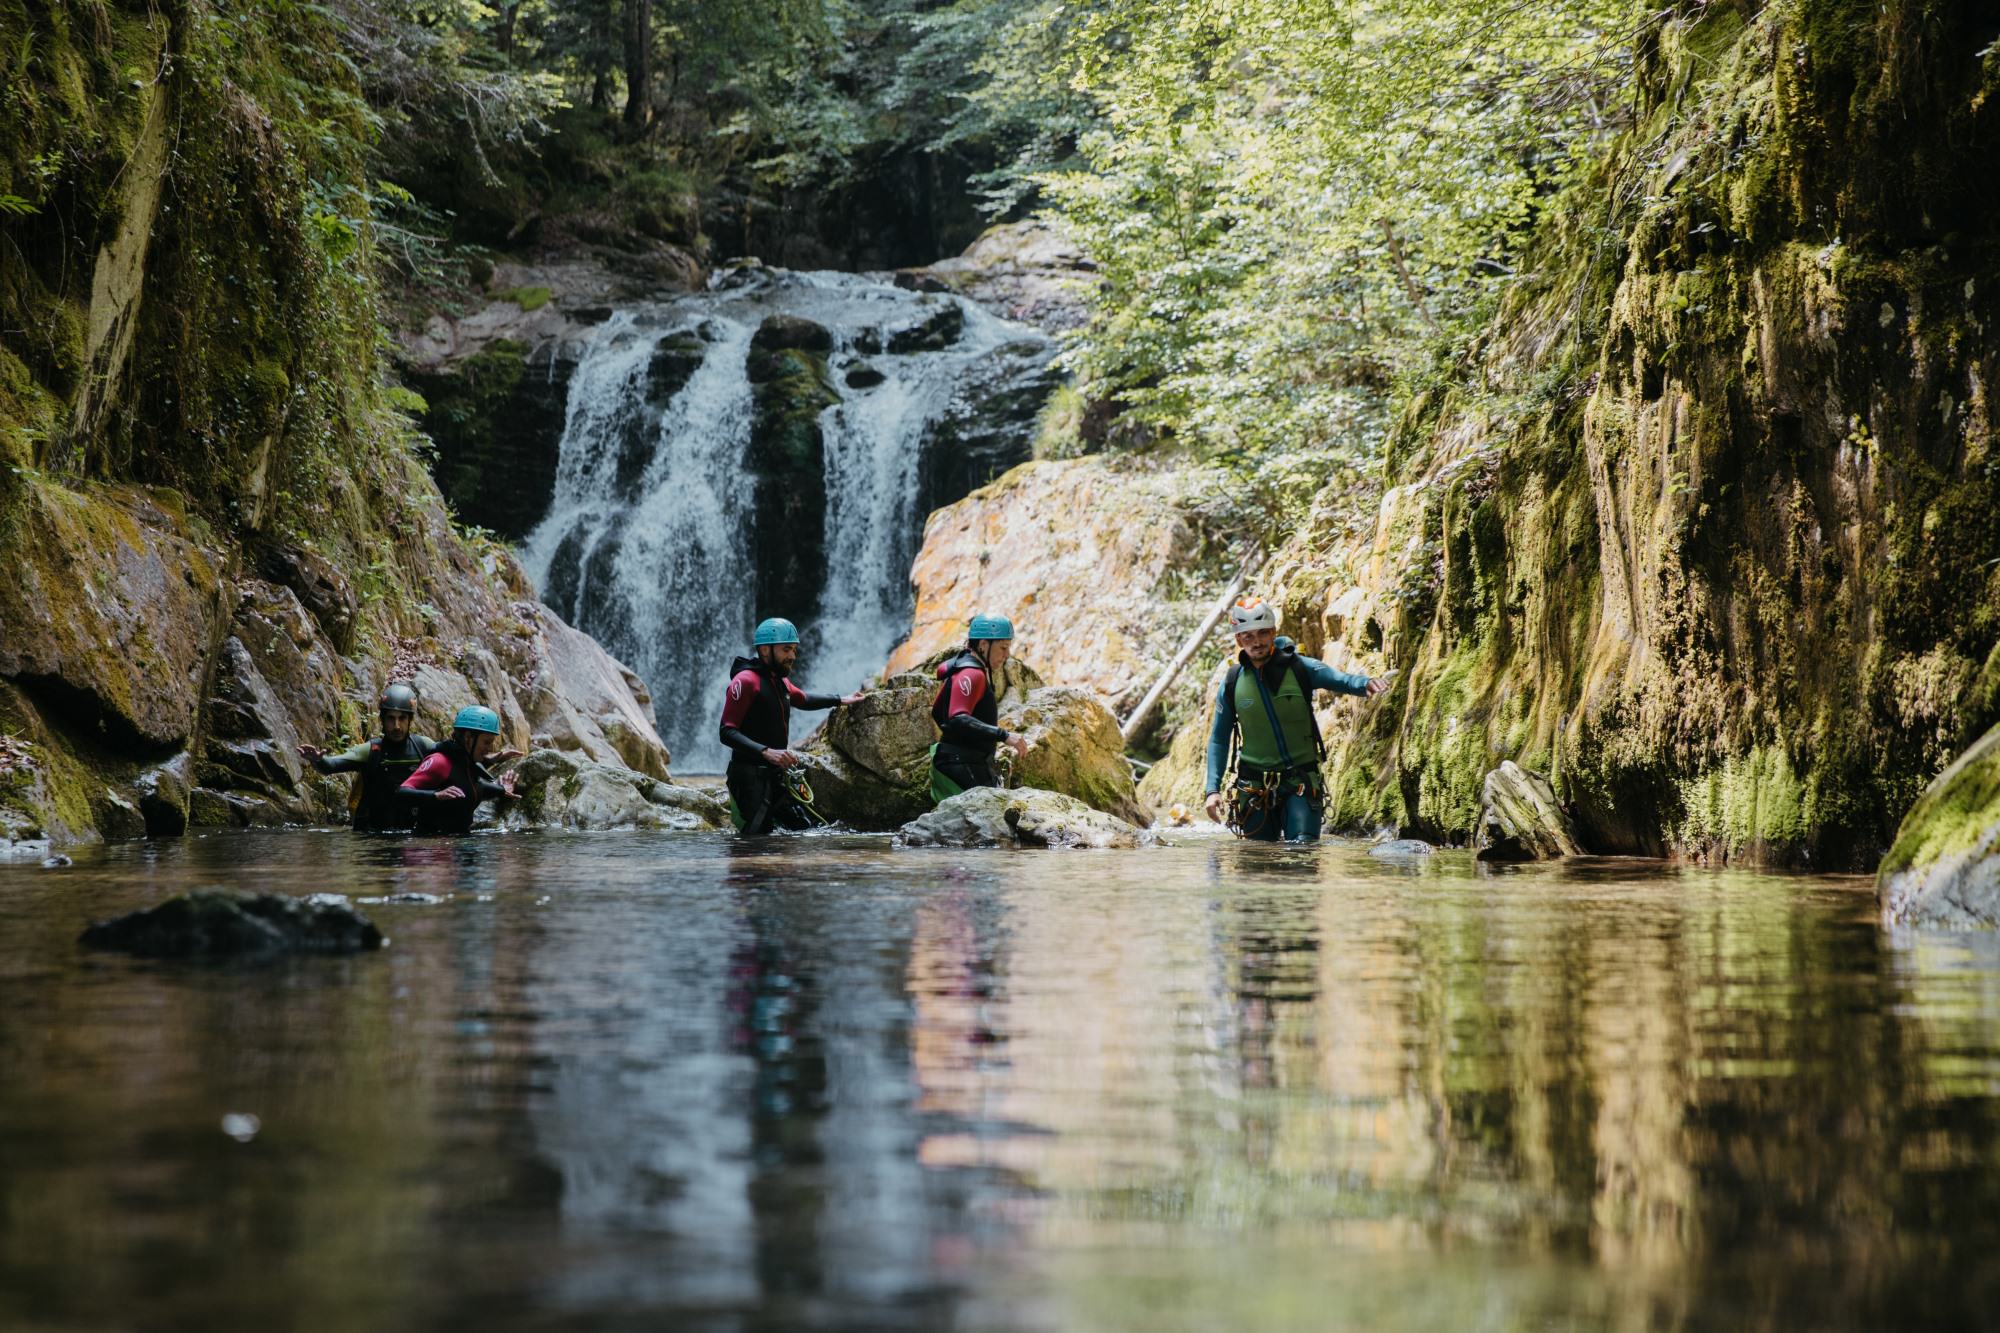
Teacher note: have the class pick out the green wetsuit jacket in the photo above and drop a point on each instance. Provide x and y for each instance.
(1274, 691)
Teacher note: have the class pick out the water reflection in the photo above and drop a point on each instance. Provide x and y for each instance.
(645, 1082)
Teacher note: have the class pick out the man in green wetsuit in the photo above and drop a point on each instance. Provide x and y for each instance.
(1266, 700)
(381, 764)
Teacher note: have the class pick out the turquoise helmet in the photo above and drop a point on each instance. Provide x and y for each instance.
(477, 718)
(990, 627)
(774, 631)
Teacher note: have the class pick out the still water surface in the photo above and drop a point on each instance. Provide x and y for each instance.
(670, 1082)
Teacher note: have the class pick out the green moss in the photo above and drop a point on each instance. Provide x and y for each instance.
(528, 298)
(1956, 813)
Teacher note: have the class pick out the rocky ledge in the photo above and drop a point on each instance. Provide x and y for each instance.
(1023, 817)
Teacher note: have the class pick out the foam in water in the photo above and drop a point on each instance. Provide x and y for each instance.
(648, 539)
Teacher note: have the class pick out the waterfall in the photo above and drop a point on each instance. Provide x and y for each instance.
(675, 452)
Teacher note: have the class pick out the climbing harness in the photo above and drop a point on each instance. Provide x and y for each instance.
(799, 788)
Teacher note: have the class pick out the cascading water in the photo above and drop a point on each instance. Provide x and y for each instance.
(673, 506)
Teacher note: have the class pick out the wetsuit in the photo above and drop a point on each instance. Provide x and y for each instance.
(757, 716)
(450, 765)
(383, 765)
(969, 716)
(1279, 792)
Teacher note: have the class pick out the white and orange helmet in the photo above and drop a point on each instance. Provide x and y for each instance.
(1252, 613)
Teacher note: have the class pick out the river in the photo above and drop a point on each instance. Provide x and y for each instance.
(626, 1081)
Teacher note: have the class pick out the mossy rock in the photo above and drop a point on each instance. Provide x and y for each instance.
(787, 464)
(1944, 869)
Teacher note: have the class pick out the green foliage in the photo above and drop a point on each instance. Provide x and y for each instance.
(1291, 200)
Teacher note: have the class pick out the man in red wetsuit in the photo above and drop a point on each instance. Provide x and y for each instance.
(757, 728)
(968, 714)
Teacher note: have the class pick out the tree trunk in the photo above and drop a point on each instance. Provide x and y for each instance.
(638, 62)
(509, 14)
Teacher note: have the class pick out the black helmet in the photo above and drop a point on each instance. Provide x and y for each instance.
(398, 698)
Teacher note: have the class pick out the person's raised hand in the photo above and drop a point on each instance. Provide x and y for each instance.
(452, 794)
(1379, 685)
(783, 758)
(849, 700)
(1213, 804)
(312, 754)
(1020, 746)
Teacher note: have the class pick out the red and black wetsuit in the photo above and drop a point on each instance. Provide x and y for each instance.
(969, 716)
(450, 765)
(757, 716)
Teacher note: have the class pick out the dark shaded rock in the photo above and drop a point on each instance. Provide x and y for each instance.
(323, 590)
(919, 280)
(936, 331)
(163, 797)
(497, 421)
(787, 464)
(863, 376)
(1520, 818)
(990, 425)
(780, 333)
(217, 923)
(868, 342)
(117, 816)
(674, 363)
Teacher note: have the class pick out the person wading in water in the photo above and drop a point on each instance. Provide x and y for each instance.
(381, 765)
(446, 790)
(967, 711)
(1266, 701)
(757, 728)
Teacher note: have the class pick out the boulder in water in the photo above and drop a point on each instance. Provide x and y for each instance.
(1023, 817)
(1944, 869)
(1402, 849)
(556, 789)
(221, 923)
(938, 329)
(791, 332)
(1520, 818)
(1074, 746)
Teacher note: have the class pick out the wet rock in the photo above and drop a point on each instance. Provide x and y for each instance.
(863, 376)
(117, 815)
(217, 923)
(496, 417)
(786, 463)
(110, 604)
(1402, 849)
(1520, 818)
(990, 424)
(1023, 817)
(1944, 869)
(935, 331)
(321, 589)
(163, 796)
(795, 332)
(558, 790)
(1074, 747)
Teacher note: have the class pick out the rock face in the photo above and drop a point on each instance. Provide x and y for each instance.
(218, 539)
(871, 763)
(214, 923)
(1091, 557)
(787, 462)
(1520, 818)
(990, 425)
(557, 790)
(1023, 817)
(1944, 869)
(1727, 583)
(1028, 271)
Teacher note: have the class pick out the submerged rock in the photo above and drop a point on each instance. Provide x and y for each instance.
(219, 923)
(559, 790)
(1944, 869)
(1023, 817)
(1402, 849)
(1520, 818)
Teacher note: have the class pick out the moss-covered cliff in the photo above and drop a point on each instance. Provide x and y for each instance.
(219, 533)
(1707, 524)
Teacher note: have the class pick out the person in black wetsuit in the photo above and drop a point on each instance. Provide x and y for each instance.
(446, 790)
(757, 728)
(381, 765)
(967, 711)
